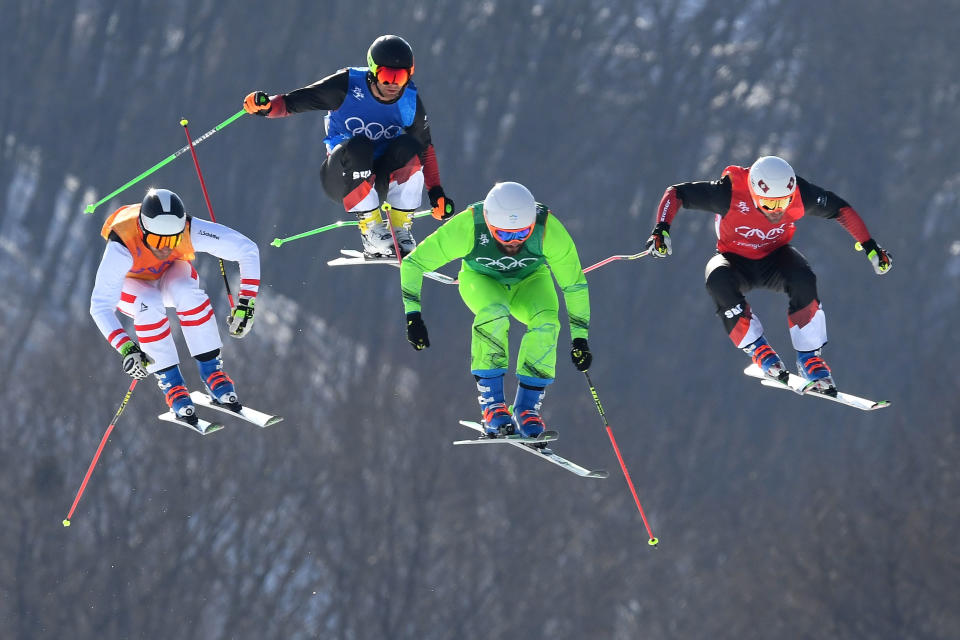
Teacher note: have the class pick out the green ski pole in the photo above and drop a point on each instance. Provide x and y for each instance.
(91, 207)
(333, 225)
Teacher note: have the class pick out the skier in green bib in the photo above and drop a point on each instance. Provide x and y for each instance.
(506, 243)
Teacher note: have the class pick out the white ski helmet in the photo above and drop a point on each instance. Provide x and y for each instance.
(772, 182)
(162, 213)
(510, 206)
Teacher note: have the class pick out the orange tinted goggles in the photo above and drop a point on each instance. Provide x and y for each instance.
(389, 75)
(774, 204)
(162, 242)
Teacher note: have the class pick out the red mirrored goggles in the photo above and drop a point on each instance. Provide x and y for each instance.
(162, 242)
(390, 75)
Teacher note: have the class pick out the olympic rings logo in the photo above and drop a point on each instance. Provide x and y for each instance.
(506, 263)
(760, 234)
(373, 130)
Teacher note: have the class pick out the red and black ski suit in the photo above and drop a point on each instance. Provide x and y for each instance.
(754, 253)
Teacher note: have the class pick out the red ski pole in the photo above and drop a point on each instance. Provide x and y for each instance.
(206, 197)
(626, 474)
(612, 258)
(103, 441)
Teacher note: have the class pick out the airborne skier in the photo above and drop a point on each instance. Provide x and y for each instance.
(379, 149)
(146, 267)
(756, 210)
(506, 243)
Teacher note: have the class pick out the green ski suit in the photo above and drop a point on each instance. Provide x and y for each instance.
(495, 286)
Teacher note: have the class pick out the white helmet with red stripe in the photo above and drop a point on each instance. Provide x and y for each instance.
(772, 183)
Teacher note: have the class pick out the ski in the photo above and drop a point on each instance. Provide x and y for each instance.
(546, 436)
(798, 385)
(203, 427)
(351, 256)
(246, 413)
(544, 454)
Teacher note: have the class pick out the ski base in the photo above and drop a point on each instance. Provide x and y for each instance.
(542, 453)
(203, 427)
(252, 416)
(543, 438)
(799, 385)
(351, 256)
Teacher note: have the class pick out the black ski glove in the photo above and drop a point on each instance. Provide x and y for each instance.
(417, 331)
(443, 207)
(659, 241)
(879, 258)
(580, 354)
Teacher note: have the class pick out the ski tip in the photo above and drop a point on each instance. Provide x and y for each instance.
(599, 473)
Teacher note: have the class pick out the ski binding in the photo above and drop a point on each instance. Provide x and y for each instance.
(245, 413)
(203, 427)
(800, 386)
(351, 256)
(541, 452)
(542, 439)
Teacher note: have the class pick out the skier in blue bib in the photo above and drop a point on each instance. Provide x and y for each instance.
(379, 151)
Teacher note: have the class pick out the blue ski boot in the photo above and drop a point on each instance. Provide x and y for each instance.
(219, 385)
(816, 372)
(526, 410)
(170, 381)
(767, 359)
(497, 420)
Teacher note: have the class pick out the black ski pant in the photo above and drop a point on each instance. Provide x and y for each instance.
(352, 166)
(729, 276)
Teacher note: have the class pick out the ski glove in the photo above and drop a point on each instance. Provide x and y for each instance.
(879, 258)
(257, 103)
(659, 241)
(443, 207)
(417, 331)
(240, 320)
(580, 354)
(135, 361)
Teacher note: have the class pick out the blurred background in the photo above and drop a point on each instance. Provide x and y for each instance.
(778, 516)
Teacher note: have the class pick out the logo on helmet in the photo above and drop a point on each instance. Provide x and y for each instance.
(762, 186)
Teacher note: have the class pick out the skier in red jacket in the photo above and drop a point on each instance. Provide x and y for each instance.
(756, 210)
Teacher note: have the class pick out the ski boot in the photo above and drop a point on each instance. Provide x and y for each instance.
(767, 359)
(497, 420)
(526, 410)
(816, 372)
(170, 381)
(375, 235)
(401, 220)
(219, 385)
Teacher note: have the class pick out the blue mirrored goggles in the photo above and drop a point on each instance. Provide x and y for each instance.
(512, 236)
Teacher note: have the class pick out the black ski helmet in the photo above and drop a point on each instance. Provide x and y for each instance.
(162, 213)
(390, 51)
